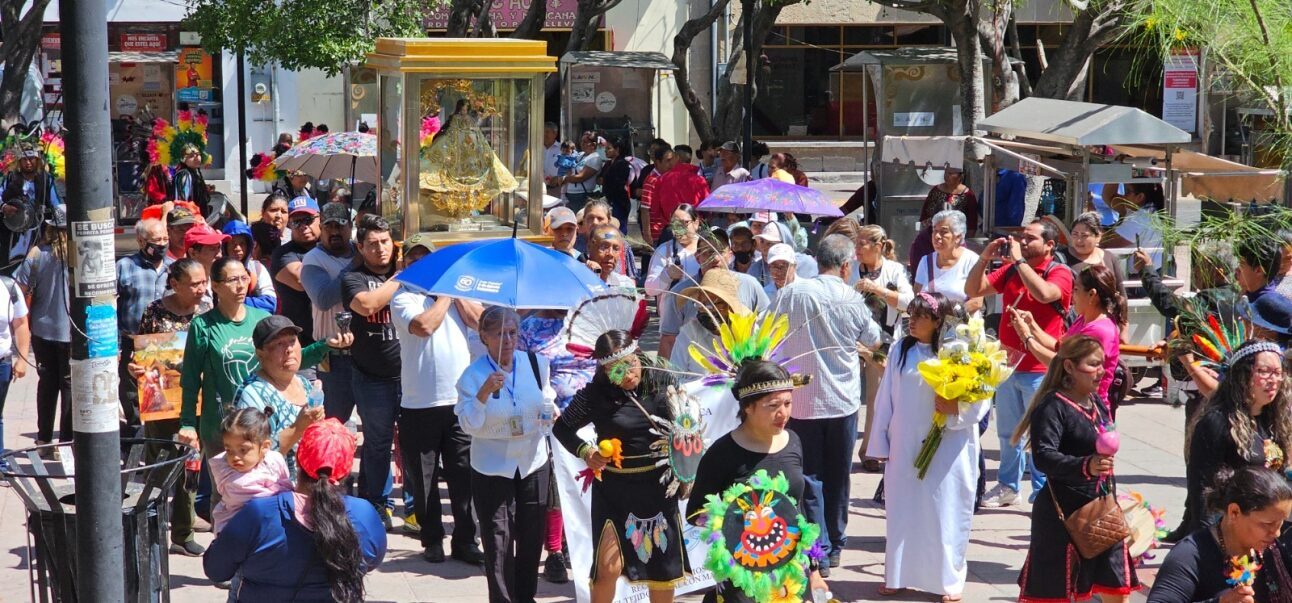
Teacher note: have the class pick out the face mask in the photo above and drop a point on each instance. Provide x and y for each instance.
(707, 320)
(744, 257)
(154, 252)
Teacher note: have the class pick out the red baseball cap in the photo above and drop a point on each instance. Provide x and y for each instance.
(203, 235)
(326, 444)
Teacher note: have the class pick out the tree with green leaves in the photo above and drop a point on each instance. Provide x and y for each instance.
(304, 34)
(1248, 41)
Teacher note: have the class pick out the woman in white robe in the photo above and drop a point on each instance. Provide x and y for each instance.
(928, 519)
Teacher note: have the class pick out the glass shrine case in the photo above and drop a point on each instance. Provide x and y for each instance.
(473, 110)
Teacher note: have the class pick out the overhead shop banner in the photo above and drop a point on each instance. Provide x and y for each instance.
(507, 14)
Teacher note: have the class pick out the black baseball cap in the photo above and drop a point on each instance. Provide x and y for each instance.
(269, 328)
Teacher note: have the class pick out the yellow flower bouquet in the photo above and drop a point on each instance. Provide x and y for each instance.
(970, 365)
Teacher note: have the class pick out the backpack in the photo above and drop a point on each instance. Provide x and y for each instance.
(1058, 308)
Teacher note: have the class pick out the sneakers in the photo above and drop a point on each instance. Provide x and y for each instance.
(554, 569)
(999, 496)
(387, 518)
(410, 525)
(188, 549)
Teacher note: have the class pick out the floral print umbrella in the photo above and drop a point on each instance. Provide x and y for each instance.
(340, 155)
(769, 194)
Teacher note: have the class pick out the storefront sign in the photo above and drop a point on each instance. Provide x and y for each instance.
(917, 119)
(507, 14)
(1180, 90)
(51, 41)
(193, 76)
(606, 102)
(143, 42)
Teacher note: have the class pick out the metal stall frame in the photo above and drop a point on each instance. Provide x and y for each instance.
(655, 62)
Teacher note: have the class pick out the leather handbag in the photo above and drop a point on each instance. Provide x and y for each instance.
(1096, 526)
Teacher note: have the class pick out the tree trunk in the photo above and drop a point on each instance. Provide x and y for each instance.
(460, 13)
(19, 42)
(963, 25)
(1016, 55)
(695, 106)
(533, 22)
(730, 111)
(1065, 77)
(992, 28)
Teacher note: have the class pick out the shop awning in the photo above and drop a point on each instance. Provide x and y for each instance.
(165, 56)
(1208, 177)
(1081, 124)
(131, 11)
(620, 58)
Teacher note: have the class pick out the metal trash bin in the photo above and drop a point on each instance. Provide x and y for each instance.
(43, 478)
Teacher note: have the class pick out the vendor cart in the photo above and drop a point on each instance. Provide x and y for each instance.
(614, 93)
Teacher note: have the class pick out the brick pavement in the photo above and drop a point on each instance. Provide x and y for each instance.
(1150, 461)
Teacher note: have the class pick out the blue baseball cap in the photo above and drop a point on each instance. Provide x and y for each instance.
(303, 203)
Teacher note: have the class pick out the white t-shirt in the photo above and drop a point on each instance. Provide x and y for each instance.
(1140, 222)
(592, 161)
(10, 310)
(430, 366)
(949, 282)
(657, 279)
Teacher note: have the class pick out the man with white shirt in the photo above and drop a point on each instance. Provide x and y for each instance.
(433, 352)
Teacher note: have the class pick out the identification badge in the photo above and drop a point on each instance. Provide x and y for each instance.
(517, 426)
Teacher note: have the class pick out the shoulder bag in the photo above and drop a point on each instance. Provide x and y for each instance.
(1098, 525)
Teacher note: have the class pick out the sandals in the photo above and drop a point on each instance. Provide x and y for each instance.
(884, 591)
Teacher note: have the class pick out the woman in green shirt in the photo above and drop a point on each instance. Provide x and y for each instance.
(219, 355)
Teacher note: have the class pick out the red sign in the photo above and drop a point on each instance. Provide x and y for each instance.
(143, 42)
(51, 41)
(507, 14)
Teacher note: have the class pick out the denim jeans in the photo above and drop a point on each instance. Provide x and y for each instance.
(6, 376)
(378, 410)
(1012, 400)
(828, 449)
(338, 389)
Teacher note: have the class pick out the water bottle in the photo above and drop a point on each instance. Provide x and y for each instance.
(315, 398)
(821, 595)
(545, 419)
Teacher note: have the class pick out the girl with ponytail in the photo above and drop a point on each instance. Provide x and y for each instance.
(1100, 308)
(311, 545)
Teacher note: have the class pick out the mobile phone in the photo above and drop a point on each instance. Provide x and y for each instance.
(1137, 241)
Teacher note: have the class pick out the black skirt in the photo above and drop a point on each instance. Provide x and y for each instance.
(647, 526)
(1054, 571)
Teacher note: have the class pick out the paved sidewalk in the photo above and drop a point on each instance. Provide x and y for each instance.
(1150, 462)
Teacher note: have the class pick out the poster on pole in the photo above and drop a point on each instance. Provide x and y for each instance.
(1180, 90)
(718, 412)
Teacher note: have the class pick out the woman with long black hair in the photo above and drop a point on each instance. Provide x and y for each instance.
(1062, 424)
(620, 403)
(615, 178)
(1247, 422)
(314, 544)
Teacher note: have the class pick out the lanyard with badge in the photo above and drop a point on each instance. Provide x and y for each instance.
(514, 422)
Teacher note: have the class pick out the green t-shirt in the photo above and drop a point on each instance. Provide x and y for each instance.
(218, 357)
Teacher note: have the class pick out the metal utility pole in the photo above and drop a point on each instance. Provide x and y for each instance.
(92, 289)
(242, 130)
(747, 124)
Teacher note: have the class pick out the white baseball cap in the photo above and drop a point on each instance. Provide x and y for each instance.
(781, 251)
(761, 216)
(560, 216)
(770, 233)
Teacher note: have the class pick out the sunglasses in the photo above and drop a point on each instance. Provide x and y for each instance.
(302, 221)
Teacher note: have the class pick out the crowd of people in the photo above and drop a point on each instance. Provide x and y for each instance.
(297, 335)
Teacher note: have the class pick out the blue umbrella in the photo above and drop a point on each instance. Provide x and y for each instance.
(505, 272)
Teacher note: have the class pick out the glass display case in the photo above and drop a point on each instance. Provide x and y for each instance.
(459, 134)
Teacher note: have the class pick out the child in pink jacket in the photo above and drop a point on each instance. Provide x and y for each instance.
(248, 468)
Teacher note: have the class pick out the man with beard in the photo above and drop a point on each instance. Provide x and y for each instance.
(1030, 280)
(321, 270)
(28, 187)
(366, 290)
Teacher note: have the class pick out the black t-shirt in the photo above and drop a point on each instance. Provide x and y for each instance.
(726, 463)
(376, 349)
(293, 304)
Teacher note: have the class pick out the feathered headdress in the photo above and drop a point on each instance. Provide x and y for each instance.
(744, 336)
(168, 142)
(262, 168)
(55, 154)
(602, 313)
(1214, 333)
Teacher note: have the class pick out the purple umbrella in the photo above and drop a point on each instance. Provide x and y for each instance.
(769, 194)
